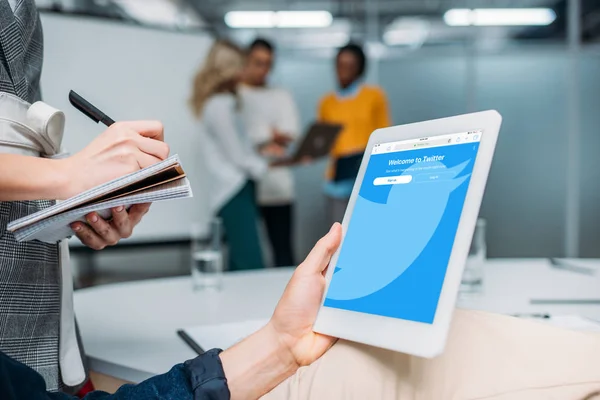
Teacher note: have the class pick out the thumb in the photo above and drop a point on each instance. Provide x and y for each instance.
(149, 129)
(320, 255)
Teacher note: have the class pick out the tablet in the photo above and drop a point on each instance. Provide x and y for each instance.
(317, 142)
(394, 281)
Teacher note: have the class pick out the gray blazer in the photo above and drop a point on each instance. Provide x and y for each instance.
(31, 283)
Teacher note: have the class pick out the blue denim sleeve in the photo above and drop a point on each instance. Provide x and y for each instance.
(199, 379)
(207, 377)
(174, 385)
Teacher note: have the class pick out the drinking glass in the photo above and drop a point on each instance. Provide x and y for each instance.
(207, 257)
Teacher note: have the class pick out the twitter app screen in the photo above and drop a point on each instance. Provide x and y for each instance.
(397, 246)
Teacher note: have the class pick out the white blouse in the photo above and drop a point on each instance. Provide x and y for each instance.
(226, 151)
(265, 109)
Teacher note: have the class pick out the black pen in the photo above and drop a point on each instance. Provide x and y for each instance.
(591, 301)
(542, 316)
(567, 266)
(88, 109)
(190, 342)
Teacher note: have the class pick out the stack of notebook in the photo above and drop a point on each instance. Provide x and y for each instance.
(162, 181)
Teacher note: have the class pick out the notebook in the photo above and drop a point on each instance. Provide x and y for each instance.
(165, 180)
(221, 336)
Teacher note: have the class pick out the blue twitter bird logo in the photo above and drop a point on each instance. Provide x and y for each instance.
(411, 213)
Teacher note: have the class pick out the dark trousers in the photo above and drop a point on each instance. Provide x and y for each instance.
(336, 209)
(240, 219)
(278, 220)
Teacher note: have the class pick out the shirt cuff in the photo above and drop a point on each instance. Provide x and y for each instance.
(207, 377)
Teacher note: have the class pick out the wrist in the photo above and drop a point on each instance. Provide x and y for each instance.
(257, 364)
(63, 184)
(282, 347)
(33, 178)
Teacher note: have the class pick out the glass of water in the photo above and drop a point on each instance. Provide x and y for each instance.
(472, 279)
(207, 257)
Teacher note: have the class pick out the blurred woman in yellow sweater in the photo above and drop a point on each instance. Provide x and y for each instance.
(361, 109)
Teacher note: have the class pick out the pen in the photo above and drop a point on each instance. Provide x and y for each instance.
(541, 316)
(190, 342)
(564, 265)
(565, 301)
(88, 109)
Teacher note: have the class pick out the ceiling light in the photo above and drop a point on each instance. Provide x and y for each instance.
(160, 12)
(250, 19)
(278, 19)
(411, 32)
(458, 17)
(499, 17)
(304, 19)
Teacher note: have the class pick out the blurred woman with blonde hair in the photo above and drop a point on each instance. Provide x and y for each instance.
(232, 164)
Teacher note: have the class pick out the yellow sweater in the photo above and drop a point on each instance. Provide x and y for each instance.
(360, 116)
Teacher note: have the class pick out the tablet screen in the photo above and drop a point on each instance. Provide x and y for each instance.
(398, 243)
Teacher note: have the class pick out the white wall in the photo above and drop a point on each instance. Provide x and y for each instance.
(590, 162)
(133, 73)
(129, 73)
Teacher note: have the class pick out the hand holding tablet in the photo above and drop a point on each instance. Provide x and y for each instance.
(394, 281)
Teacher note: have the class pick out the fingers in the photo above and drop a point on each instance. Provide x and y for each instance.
(319, 257)
(122, 222)
(322, 343)
(149, 151)
(152, 147)
(100, 233)
(87, 236)
(103, 230)
(136, 212)
(149, 129)
(145, 160)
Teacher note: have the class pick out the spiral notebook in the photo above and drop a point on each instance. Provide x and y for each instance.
(162, 181)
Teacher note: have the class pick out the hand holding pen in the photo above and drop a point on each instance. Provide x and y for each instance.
(123, 148)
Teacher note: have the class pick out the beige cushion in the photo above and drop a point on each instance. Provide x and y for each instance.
(488, 356)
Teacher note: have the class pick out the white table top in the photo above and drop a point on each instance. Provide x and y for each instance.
(129, 329)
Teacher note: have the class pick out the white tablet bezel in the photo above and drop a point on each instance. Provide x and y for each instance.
(420, 339)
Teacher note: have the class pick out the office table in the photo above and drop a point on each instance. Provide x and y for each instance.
(129, 329)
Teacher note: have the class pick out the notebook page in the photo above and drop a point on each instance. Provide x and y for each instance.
(44, 232)
(55, 228)
(95, 192)
(137, 190)
(223, 336)
(166, 175)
